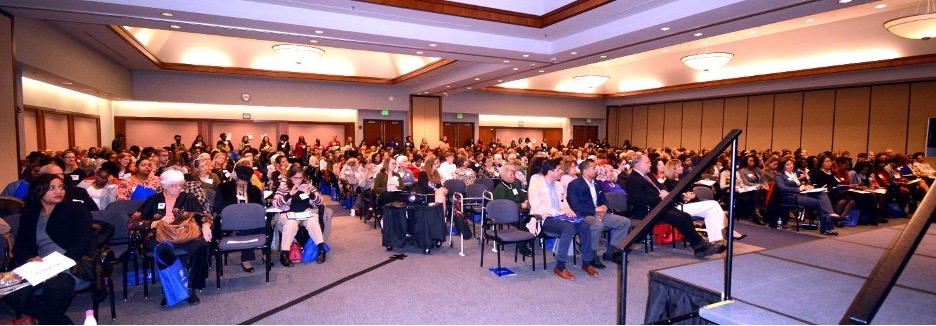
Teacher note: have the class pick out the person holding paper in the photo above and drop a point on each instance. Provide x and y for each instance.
(790, 188)
(297, 195)
(51, 224)
(842, 201)
(236, 191)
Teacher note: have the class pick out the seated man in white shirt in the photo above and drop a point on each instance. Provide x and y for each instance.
(447, 168)
(548, 200)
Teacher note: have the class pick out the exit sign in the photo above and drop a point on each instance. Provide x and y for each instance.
(384, 112)
(459, 116)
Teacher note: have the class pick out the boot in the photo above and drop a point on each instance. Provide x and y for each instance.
(321, 253)
(284, 258)
(193, 298)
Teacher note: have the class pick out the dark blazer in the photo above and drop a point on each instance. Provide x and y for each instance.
(227, 195)
(787, 188)
(78, 193)
(69, 227)
(641, 194)
(580, 199)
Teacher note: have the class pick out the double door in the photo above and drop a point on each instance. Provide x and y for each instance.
(458, 133)
(583, 134)
(383, 129)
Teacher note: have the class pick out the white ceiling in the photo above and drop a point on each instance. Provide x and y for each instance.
(637, 53)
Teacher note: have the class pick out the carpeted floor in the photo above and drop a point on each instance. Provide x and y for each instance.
(441, 288)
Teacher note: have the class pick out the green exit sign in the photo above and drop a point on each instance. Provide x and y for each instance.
(588, 120)
(459, 116)
(384, 112)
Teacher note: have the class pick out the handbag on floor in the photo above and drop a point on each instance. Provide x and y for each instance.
(172, 275)
(295, 252)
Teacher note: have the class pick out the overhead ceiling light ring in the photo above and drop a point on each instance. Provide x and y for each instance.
(298, 54)
(915, 27)
(707, 61)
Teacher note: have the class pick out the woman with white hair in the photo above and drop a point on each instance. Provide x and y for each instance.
(173, 209)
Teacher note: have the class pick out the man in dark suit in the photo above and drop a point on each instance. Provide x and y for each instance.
(644, 193)
(587, 199)
(75, 194)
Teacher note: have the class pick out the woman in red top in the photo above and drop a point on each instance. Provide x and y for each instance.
(882, 178)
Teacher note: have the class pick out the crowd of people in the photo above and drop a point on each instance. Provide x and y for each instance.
(561, 187)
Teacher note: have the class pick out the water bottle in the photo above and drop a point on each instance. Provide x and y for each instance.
(779, 223)
(89, 318)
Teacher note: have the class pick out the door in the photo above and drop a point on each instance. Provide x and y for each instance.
(458, 133)
(583, 134)
(383, 129)
(552, 136)
(486, 134)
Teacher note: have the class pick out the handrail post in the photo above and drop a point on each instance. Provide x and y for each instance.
(726, 295)
(641, 229)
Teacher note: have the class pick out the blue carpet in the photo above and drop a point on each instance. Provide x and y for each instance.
(768, 238)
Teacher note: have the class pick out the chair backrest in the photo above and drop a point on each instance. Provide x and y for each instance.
(487, 182)
(13, 221)
(118, 220)
(243, 216)
(125, 206)
(503, 211)
(704, 193)
(454, 185)
(10, 205)
(617, 202)
(475, 190)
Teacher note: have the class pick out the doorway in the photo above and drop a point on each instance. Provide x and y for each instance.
(583, 134)
(383, 129)
(458, 133)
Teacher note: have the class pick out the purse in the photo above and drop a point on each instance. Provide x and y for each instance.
(84, 268)
(182, 230)
(295, 252)
(172, 275)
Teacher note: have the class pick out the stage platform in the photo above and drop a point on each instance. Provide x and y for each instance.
(811, 283)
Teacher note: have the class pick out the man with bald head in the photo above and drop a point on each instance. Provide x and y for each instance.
(72, 193)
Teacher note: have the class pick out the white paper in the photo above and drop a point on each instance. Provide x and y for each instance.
(299, 215)
(879, 191)
(274, 210)
(242, 241)
(707, 183)
(859, 191)
(38, 271)
(814, 190)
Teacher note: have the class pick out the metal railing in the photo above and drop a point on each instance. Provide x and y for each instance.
(647, 223)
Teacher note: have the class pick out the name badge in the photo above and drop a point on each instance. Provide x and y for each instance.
(74, 177)
(208, 181)
(241, 198)
(515, 192)
(227, 174)
(161, 206)
(303, 196)
(751, 175)
(78, 201)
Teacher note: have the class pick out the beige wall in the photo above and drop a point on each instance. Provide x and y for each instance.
(8, 117)
(56, 131)
(159, 133)
(856, 119)
(86, 132)
(508, 134)
(426, 117)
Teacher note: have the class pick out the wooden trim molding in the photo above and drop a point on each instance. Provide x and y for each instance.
(542, 92)
(127, 37)
(452, 8)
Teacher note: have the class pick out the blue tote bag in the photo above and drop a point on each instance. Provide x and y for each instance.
(173, 276)
(310, 251)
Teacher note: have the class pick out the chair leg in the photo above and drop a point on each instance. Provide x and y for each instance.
(268, 264)
(498, 260)
(146, 272)
(482, 253)
(533, 254)
(543, 247)
(218, 272)
(110, 290)
(124, 270)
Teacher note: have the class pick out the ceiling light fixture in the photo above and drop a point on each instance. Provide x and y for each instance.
(880, 6)
(313, 41)
(697, 34)
(707, 61)
(319, 32)
(664, 29)
(433, 45)
(591, 80)
(516, 69)
(845, 1)
(917, 26)
(175, 26)
(506, 61)
(604, 56)
(298, 54)
(419, 52)
(526, 55)
(166, 14)
(573, 53)
(477, 78)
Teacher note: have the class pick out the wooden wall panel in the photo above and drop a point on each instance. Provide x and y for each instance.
(655, 116)
(626, 125)
(889, 110)
(922, 107)
(56, 131)
(691, 124)
(788, 121)
(426, 118)
(850, 130)
(736, 118)
(640, 126)
(611, 127)
(713, 116)
(86, 132)
(818, 111)
(672, 124)
(30, 131)
(760, 122)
